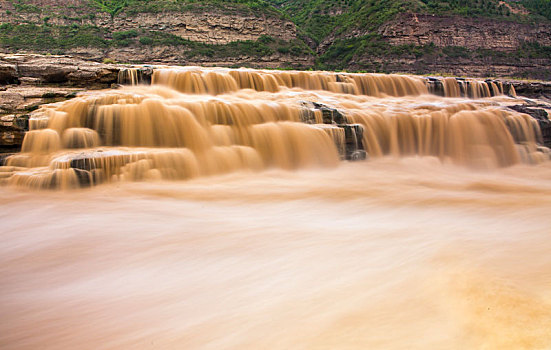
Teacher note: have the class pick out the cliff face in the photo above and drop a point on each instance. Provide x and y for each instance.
(210, 25)
(471, 33)
(178, 32)
(233, 33)
(456, 45)
(211, 28)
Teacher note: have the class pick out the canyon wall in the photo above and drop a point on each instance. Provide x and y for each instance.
(234, 35)
(468, 32)
(205, 24)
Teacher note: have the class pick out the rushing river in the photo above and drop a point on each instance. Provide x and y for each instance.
(447, 250)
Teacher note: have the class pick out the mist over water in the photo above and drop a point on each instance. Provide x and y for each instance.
(255, 235)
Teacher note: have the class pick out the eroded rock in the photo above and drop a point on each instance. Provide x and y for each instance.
(65, 70)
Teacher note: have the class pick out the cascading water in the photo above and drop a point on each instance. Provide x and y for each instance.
(198, 122)
(439, 241)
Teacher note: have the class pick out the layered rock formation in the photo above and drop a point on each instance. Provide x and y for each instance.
(51, 69)
(194, 33)
(459, 45)
(467, 32)
(29, 81)
(155, 32)
(211, 25)
(211, 28)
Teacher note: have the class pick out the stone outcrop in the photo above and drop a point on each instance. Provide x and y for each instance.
(41, 69)
(534, 89)
(17, 102)
(468, 32)
(28, 81)
(12, 130)
(347, 137)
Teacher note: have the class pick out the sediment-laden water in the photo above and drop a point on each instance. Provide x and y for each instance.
(225, 215)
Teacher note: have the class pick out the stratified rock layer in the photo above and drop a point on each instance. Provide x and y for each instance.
(461, 31)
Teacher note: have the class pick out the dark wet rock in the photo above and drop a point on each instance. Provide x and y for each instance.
(435, 86)
(22, 122)
(508, 89)
(4, 157)
(532, 89)
(329, 115)
(353, 134)
(84, 177)
(358, 155)
(490, 81)
(85, 162)
(538, 112)
(533, 111)
(139, 75)
(146, 73)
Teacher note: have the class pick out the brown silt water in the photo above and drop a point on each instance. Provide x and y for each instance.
(222, 209)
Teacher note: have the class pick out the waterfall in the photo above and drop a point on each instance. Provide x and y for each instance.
(194, 122)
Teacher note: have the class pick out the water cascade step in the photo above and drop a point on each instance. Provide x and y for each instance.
(192, 122)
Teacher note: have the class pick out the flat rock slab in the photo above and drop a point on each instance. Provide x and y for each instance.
(56, 70)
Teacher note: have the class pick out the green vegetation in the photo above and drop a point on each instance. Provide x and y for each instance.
(21, 6)
(340, 54)
(520, 10)
(114, 7)
(49, 95)
(487, 8)
(111, 6)
(345, 33)
(45, 37)
(58, 39)
(540, 7)
(321, 18)
(344, 52)
(349, 29)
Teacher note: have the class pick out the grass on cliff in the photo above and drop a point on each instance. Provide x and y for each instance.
(320, 19)
(114, 7)
(60, 39)
(353, 51)
(45, 37)
(517, 10)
